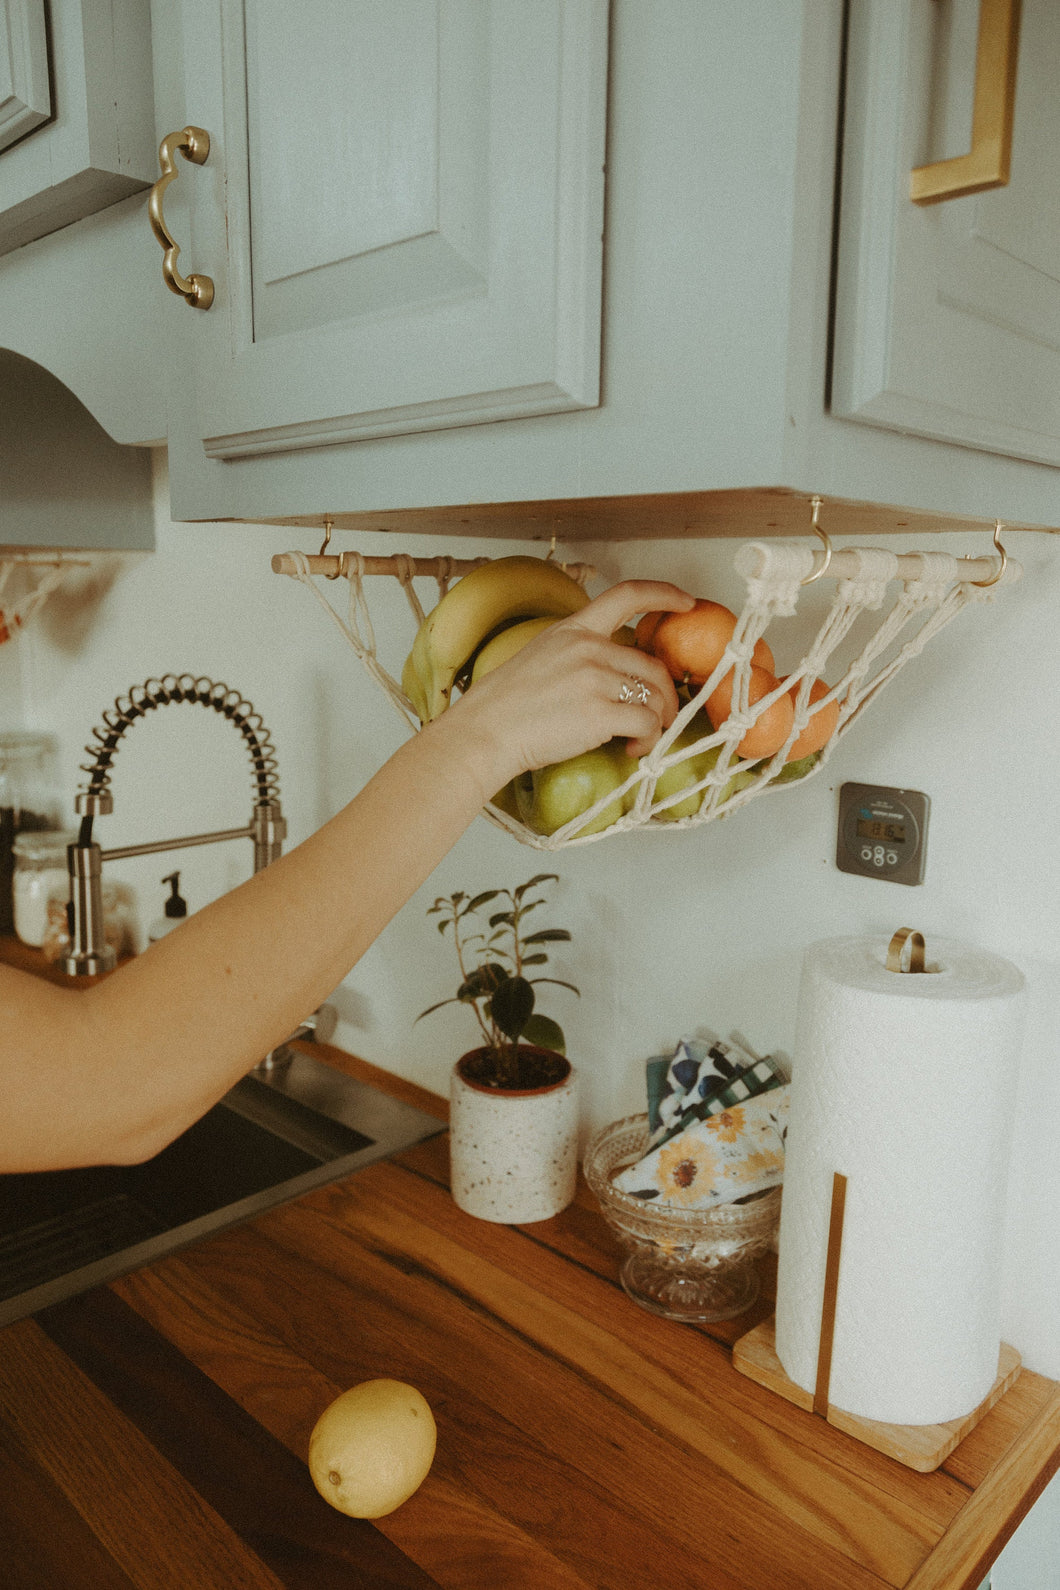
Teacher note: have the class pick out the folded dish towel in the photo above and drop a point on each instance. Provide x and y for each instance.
(701, 1078)
(730, 1155)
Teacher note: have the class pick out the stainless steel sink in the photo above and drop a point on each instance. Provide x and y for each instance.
(275, 1136)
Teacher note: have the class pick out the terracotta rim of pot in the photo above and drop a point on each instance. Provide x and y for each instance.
(513, 1093)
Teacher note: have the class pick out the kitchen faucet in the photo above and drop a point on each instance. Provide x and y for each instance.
(89, 953)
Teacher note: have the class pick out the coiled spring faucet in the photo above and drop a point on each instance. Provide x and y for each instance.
(89, 951)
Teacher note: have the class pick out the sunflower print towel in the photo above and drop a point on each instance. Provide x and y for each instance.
(728, 1156)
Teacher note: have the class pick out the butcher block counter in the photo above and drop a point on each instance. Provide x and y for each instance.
(153, 1433)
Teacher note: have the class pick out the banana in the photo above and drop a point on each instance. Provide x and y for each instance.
(506, 644)
(410, 684)
(495, 593)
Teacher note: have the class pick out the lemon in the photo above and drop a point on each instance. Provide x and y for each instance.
(372, 1447)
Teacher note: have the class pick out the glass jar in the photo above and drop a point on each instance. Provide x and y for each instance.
(29, 802)
(40, 875)
(55, 943)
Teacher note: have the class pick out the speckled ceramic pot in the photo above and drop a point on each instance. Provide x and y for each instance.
(513, 1154)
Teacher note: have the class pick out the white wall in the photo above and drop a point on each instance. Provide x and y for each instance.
(671, 930)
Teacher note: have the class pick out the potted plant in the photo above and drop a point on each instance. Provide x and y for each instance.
(513, 1125)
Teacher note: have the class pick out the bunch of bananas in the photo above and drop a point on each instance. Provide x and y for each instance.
(481, 621)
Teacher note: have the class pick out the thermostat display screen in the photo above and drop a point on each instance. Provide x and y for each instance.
(874, 828)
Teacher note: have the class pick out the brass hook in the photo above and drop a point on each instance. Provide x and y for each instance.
(983, 584)
(815, 503)
(328, 526)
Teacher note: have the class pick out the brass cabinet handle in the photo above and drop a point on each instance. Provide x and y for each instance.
(987, 162)
(194, 144)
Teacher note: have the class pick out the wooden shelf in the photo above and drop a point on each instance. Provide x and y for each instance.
(750, 514)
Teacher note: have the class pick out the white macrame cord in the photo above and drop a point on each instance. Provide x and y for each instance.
(915, 594)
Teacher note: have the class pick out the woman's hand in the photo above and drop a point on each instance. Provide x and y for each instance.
(573, 687)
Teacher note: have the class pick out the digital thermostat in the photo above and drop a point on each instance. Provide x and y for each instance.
(882, 832)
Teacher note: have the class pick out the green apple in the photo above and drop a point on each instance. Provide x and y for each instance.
(506, 802)
(797, 769)
(683, 774)
(551, 796)
(739, 781)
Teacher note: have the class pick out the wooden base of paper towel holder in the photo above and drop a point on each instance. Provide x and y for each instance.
(919, 1446)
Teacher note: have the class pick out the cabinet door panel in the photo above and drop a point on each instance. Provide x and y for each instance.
(414, 217)
(948, 316)
(95, 145)
(25, 89)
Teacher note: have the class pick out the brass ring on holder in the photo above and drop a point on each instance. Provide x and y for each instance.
(906, 939)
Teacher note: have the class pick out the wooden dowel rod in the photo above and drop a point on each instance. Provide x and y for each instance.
(844, 565)
(831, 1289)
(325, 563)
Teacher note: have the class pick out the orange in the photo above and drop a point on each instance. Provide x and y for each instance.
(691, 644)
(773, 725)
(821, 726)
(645, 629)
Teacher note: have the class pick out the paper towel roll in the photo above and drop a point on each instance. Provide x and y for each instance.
(904, 1083)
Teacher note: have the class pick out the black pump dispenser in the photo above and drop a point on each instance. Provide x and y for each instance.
(174, 911)
(175, 906)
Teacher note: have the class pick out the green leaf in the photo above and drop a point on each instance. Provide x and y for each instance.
(507, 917)
(480, 899)
(511, 1005)
(438, 1006)
(546, 1033)
(535, 960)
(481, 983)
(446, 921)
(548, 936)
(559, 984)
(532, 883)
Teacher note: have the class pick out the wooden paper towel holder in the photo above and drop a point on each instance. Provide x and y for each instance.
(918, 1446)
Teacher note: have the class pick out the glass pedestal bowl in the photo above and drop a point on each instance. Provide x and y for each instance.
(695, 1265)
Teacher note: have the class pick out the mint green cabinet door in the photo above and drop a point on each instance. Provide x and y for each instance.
(76, 111)
(948, 316)
(402, 212)
(25, 82)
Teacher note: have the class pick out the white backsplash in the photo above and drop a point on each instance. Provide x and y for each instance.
(671, 930)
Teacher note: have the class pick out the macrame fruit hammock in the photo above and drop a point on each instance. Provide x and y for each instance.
(27, 579)
(700, 769)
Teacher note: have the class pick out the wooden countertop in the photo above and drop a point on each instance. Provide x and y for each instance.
(153, 1432)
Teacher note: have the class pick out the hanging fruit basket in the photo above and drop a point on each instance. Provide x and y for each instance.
(27, 579)
(717, 755)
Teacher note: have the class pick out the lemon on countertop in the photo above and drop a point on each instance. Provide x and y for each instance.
(372, 1447)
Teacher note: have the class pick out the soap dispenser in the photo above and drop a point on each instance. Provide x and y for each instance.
(174, 911)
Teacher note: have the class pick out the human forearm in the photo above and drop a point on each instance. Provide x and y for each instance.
(116, 1072)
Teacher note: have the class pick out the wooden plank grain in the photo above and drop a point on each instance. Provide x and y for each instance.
(446, 1529)
(975, 1538)
(45, 1544)
(265, 1496)
(490, 1468)
(682, 1350)
(588, 1411)
(144, 1514)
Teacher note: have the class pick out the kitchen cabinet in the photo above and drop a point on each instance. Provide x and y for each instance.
(77, 121)
(714, 413)
(401, 213)
(948, 314)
